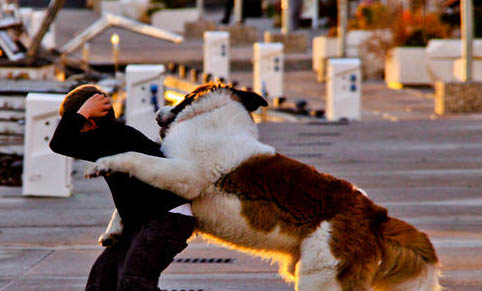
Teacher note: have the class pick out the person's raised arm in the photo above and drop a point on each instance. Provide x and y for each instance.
(95, 107)
(70, 138)
(78, 136)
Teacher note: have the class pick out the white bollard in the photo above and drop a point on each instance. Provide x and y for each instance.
(216, 53)
(45, 173)
(145, 93)
(268, 69)
(343, 89)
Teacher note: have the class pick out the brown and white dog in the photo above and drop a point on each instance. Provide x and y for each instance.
(324, 232)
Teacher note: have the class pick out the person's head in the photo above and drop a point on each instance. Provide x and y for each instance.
(77, 97)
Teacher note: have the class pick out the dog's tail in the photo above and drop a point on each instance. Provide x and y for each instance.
(408, 257)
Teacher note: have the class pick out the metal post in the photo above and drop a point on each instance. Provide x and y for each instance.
(286, 21)
(115, 52)
(85, 56)
(342, 24)
(238, 11)
(200, 8)
(467, 19)
(52, 11)
(314, 19)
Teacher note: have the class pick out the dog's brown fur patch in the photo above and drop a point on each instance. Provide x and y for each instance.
(371, 247)
(276, 190)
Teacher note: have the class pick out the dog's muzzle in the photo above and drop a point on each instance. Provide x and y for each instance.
(164, 117)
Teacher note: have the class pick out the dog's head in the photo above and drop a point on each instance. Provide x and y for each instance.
(187, 109)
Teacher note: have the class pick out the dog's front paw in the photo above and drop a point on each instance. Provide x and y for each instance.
(109, 239)
(100, 168)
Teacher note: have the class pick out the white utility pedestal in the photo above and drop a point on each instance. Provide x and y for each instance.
(268, 69)
(343, 89)
(216, 53)
(45, 173)
(145, 91)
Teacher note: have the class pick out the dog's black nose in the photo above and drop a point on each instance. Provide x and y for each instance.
(159, 117)
(164, 116)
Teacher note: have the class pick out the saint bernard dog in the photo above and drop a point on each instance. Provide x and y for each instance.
(323, 231)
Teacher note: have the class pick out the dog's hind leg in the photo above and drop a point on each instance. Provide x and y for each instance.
(317, 269)
(316, 280)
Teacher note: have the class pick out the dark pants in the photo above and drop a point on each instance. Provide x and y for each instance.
(139, 257)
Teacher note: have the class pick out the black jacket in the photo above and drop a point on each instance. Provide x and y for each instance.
(136, 202)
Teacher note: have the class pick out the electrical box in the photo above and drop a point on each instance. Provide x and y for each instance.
(145, 93)
(216, 53)
(45, 173)
(343, 89)
(268, 69)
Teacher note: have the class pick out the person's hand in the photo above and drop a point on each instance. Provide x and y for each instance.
(96, 106)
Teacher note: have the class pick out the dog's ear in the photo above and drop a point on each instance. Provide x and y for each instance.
(250, 100)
